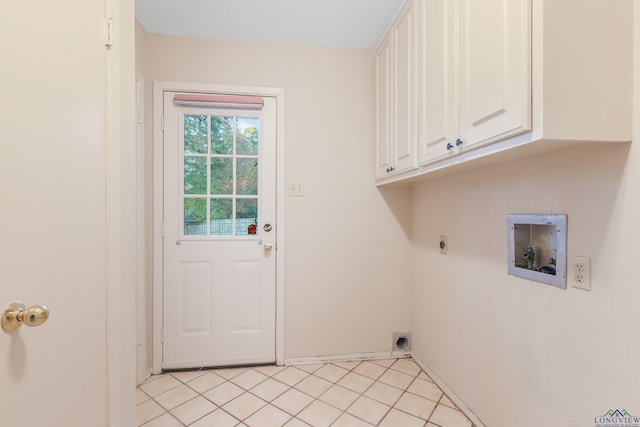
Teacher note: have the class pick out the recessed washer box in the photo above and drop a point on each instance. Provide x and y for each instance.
(538, 248)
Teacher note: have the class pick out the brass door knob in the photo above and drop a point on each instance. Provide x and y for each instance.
(268, 247)
(15, 314)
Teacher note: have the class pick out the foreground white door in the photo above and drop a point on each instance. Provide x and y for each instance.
(53, 212)
(219, 246)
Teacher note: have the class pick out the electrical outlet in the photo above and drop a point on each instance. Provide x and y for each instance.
(580, 272)
(443, 245)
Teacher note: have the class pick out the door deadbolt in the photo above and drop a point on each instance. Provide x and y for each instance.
(267, 227)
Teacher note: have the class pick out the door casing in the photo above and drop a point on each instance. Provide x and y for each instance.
(159, 87)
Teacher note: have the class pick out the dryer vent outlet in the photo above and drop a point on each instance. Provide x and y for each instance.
(401, 341)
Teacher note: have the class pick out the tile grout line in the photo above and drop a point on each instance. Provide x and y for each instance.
(359, 396)
(318, 398)
(307, 374)
(375, 380)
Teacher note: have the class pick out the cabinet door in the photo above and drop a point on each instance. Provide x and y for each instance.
(495, 69)
(437, 71)
(383, 109)
(405, 105)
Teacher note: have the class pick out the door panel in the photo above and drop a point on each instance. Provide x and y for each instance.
(495, 69)
(438, 79)
(246, 298)
(383, 109)
(195, 287)
(219, 273)
(405, 106)
(52, 221)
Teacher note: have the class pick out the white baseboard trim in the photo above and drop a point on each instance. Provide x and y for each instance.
(450, 394)
(346, 358)
(146, 374)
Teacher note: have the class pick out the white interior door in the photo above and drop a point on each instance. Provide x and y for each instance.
(53, 216)
(219, 302)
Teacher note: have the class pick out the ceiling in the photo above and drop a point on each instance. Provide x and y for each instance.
(352, 24)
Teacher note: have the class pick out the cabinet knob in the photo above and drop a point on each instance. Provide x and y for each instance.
(458, 142)
(449, 146)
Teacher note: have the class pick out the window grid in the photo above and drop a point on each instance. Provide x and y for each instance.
(233, 196)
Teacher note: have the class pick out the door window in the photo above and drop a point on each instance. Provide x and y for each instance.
(220, 175)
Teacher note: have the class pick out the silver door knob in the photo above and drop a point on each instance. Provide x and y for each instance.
(268, 247)
(15, 314)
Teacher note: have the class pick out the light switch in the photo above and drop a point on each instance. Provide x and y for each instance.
(296, 189)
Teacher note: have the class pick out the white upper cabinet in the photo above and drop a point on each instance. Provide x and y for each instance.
(495, 76)
(384, 146)
(494, 69)
(437, 79)
(475, 73)
(582, 70)
(405, 123)
(397, 98)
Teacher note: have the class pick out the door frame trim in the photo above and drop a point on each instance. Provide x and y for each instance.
(159, 87)
(142, 370)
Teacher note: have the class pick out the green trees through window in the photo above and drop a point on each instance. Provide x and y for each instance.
(221, 171)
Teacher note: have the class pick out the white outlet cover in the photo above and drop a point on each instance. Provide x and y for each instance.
(580, 272)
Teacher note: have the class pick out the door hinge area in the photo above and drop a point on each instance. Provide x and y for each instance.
(162, 230)
(108, 32)
(161, 335)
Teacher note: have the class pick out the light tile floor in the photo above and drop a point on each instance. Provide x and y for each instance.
(388, 392)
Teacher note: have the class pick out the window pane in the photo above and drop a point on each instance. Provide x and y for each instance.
(221, 164)
(195, 134)
(195, 217)
(221, 176)
(247, 175)
(247, 137)
(195, 175)
(221, 217)
(246, 216)
(221, 135)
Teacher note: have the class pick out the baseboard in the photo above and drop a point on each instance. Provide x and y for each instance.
(450, 394)
(346, 358)
(146, 374)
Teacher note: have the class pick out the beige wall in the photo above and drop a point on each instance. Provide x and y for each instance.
(518, 352)
(347, 260)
